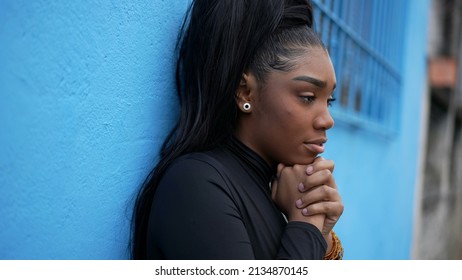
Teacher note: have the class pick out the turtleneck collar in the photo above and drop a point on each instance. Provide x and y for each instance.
(256, 164)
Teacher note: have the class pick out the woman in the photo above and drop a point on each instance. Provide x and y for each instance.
(254, 83)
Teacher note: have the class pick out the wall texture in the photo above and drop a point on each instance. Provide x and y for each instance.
(377, 173)
(86, 96)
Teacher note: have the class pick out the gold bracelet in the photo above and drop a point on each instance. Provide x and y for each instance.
(336, 252)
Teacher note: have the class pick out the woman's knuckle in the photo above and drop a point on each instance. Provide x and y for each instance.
(324, 173)
(312, 208)
(298, 168)
(325, 190)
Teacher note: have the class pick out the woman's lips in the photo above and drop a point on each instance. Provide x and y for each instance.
(315, 148)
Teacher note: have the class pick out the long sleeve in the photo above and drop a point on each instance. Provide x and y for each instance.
(199, 212)
(302, 241)
(194, 217)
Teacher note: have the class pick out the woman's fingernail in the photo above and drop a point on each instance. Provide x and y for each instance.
(301, 187)
(305, 212)
(309, 169)
(299, 203)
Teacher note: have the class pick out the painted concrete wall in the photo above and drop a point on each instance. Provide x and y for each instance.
(377, 175)
(85, 101)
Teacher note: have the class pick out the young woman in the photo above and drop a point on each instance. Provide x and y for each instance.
(254, 82)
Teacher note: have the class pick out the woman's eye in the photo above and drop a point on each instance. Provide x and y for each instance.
(330, 100)
(308, 98)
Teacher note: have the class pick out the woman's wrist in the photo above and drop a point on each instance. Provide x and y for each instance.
(316, 220)
(329, 242)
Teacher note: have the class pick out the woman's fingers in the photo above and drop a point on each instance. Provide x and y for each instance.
(329, 208)
(319, 164)
(279, 170)
(318, 173)
(318, 194)
(320, 177)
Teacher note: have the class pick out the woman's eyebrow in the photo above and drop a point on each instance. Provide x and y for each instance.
(311, 80)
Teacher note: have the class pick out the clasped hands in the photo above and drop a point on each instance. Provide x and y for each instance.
(308, 193)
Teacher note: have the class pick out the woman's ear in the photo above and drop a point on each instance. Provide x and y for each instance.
(246, 93)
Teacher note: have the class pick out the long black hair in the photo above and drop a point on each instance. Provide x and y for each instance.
(218, 42)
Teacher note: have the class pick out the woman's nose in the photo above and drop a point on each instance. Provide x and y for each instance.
(324, 120)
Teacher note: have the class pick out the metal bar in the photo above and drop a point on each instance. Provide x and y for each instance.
(325, 28)
(340, 63)
(366, 49)
(361, 43)
(353, 77)
(365, 105)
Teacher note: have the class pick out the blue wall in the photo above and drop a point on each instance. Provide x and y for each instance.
(85, 101)
(377, 172)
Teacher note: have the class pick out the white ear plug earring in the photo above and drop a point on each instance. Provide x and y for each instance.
(247, 106)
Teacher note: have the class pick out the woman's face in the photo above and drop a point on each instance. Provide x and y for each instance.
(289, 117)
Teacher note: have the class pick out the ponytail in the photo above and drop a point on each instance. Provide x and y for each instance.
(218, 42)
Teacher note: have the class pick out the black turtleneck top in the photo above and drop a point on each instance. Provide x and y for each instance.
(217, 205)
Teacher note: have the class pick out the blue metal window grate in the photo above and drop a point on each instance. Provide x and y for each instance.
(365, 39)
